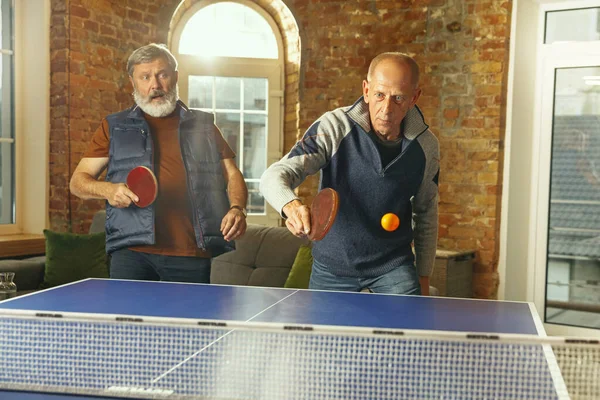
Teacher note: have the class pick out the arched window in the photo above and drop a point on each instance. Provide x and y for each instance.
(246, 34)
(231, 64)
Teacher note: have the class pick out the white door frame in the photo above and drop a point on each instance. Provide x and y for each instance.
(558, 56)
(524, 216)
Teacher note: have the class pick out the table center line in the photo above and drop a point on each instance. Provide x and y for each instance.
(216, 340)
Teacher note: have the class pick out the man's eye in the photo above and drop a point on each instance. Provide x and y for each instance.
(379, 95)
(398, 99)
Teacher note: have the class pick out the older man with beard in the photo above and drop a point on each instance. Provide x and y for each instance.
(200, 207)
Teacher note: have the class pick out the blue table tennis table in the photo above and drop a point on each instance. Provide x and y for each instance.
(296, 309)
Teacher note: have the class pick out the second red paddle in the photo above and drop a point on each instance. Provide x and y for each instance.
(142, 182)
(323, 211)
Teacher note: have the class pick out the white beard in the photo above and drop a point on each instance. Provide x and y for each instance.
(162, 109)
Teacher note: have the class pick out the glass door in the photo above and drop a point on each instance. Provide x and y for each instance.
(565, 176)
(568, 205)
(573, 254)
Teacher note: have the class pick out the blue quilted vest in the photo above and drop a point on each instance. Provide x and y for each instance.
(131, 145)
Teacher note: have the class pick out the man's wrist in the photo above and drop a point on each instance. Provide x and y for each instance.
(290, 206)
(242, 209)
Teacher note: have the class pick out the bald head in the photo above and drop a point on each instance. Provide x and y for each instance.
(390, 91)
(398, 58)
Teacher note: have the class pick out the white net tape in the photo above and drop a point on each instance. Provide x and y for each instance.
(168, 358)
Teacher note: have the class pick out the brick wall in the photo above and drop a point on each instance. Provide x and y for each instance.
(462, 47)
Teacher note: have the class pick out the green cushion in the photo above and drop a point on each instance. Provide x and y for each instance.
(71, 257)
(300, 273)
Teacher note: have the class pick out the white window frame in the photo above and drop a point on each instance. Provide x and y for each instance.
(271, 69)
(7, 144)
(525, 202)
(32, 116)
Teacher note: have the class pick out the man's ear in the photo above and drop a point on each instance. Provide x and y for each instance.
(366, 91)
(415, 97)
(176, 76)
(131, 80)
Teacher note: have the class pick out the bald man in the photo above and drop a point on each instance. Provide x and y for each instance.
(381, 157)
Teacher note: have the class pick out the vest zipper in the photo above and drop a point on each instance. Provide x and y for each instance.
(149, 137)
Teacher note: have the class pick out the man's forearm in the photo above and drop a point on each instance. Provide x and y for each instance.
(237, 191)
(87, 187)
(276, 185)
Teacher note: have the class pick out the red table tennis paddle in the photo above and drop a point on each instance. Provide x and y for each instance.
(142, 182)
(323, 211)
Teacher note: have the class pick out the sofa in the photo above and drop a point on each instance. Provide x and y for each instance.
(263, 257)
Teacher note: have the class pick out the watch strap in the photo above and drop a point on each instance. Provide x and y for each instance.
(242, 209)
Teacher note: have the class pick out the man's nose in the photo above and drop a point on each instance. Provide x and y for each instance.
(387, 105)
(154, 83)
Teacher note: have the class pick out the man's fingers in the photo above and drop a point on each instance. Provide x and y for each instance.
(302, 217)
(305, 215)
(127, 192)
(122, 196)
(134, 197)
(298, 218)
(234, 233)
(291, 227)
(233, 226)
(127, 197)
(296, 226)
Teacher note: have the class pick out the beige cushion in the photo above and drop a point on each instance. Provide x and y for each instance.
(263, 257)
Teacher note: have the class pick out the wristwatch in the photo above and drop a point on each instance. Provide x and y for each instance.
(242, 209)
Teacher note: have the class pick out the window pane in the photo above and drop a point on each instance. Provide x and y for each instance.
(228, 30)
(200, 91)
(256, 203)
(255, 94)
(7, 184)
(580, 25)
(228, 93)
(7, 145)
(229, 124)
(6, 28)
(573, 269)
(250, 145)
(255, 147)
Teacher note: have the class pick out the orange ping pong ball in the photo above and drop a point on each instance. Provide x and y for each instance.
(390, 222)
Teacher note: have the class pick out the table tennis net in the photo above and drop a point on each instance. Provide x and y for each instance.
(160, 358)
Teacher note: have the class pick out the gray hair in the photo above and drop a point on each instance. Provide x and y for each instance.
(400, 58)
(149, 53)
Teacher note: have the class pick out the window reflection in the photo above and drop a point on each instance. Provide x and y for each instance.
(573, 269)
(581, 25)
